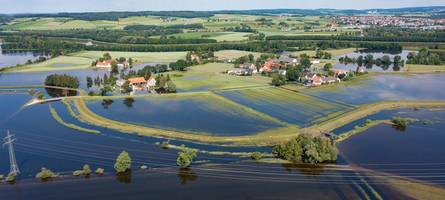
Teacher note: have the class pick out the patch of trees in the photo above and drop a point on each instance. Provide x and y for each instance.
(131, 36)
(306, 149)
(62, 81)
(164, 84)
(278, 79)
(356, 38)
(114, 16)
(424, 57)
(405, 34)
(60, 45)
(322, 54)
(243, 28)
(369, 60)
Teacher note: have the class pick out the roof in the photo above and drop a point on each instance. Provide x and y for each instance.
(317, 79)
(137, 80)
(105, 62)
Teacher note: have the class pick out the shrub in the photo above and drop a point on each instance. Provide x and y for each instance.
(185, 157)
(256, 155)
(400, 122)
(86, 170)
(78, 173)
(45, 174)
(123, 162)
(99, 171)
(11, 177)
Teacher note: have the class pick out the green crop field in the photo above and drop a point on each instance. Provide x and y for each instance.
(233, 54)
(213, 76)
(138, 57)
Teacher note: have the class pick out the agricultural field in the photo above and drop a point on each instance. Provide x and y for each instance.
(218, 36)
(425, 68)
(138, 57)
(233, 54)
(288, 106)
(204, 113)
(213, 76)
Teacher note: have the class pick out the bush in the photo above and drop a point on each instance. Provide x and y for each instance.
(256, 155)
(306, 149)
(278, 80)
(99, 171)
(123, 162)
(185, 157)
(11, 177)
(400, 122)
(78, 173)
(86, 170)
(45, 174)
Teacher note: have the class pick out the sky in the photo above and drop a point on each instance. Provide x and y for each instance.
(45, 6)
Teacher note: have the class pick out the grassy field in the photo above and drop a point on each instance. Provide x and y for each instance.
(58, 63)
(213, 76)
(233, 54)
(425, 68)
(138, 57)
(71, 126)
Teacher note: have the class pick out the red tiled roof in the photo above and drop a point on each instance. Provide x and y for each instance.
(137, 80)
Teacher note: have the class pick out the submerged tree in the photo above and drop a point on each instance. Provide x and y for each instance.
(123, 162)
(185, 157)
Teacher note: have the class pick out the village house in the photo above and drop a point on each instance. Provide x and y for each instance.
(120, 83)
(104, 64)
(138, 83)
(286, 60)
(316, 80)
(195, 57)
(270, 66)
(330, 80)
(339, 73)
(124, 64)
(151, 82)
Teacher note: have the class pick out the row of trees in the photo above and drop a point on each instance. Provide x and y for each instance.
(42, 44)
(369, 61)
(359, 38)
(424, 57)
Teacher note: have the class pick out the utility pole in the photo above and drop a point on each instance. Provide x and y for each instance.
(8, 140)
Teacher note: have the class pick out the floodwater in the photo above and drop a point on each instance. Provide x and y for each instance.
(385, 87)
(202, 115)
(8, 59)
(373, 68)
(416, 152)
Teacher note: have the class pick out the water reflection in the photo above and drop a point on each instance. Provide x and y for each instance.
(124, 177)
(311, 170)
(53, 92)
(186, 175)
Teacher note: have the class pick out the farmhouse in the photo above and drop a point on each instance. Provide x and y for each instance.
(270, 66)
(124, 64)
(151, 82)
(329, 80)
(138, 83)
(104, 64)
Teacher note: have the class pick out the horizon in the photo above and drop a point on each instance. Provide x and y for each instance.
(82, 6)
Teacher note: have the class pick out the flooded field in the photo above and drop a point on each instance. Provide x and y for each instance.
(373, 68)
(205, 114)
(8, 59)
(385, 87)
(285, 105)
(415, 152)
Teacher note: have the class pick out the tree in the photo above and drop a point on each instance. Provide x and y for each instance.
(106, 56)
(305, 62)
(327, 67)
(45, 174)
(293, 73)
(89, 82)
(128, 102)
(40, 95)
(123, 162)
(126, 87)
(185, 157)
(114, 68)
(278, 79)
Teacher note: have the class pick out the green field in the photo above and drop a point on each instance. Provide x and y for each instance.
(425, 68)
(213, 76)
(233, 54)
(138, 57)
